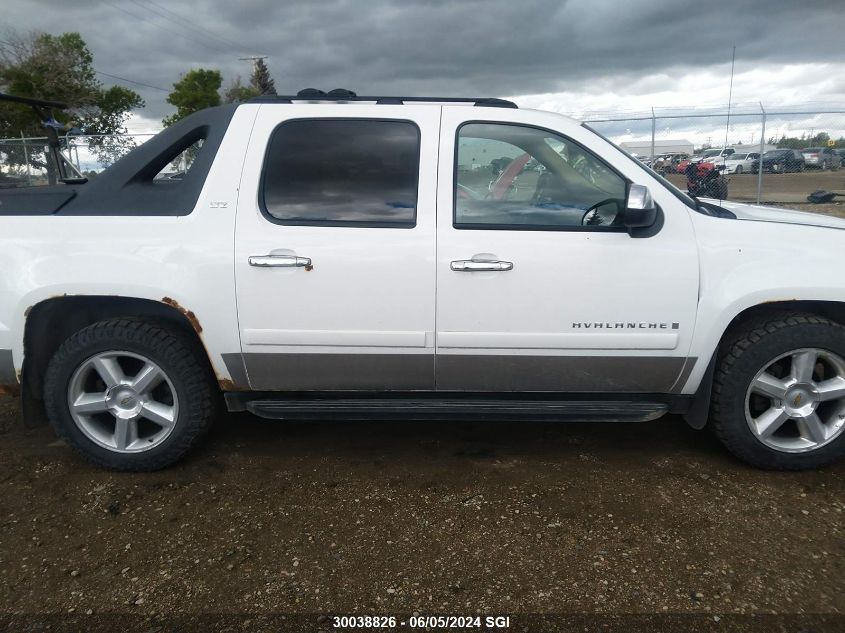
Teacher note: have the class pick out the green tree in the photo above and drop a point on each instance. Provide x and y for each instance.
(196, 90)
(109, 120)
(820, 139)
(238, 93)
(260, 80)
(58, 68)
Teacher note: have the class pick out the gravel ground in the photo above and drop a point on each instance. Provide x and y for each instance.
(403, 517)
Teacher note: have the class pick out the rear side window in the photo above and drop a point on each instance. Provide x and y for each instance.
(342, 172)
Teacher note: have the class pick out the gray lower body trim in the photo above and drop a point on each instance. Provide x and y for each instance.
(237, 370)
(629, 374)
(465, 372)
(328, 372)
(689, 365)
(7, 368)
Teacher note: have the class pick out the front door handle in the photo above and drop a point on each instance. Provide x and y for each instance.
(279, 261)
(473, 266)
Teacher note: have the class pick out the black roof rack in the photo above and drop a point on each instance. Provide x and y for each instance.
(340, 94)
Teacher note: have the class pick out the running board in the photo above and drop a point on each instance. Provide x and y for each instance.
(441, 409)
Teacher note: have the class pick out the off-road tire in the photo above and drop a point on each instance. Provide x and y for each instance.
(746, 352)
(178, 356)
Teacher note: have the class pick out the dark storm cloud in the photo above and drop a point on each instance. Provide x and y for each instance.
(488, 47)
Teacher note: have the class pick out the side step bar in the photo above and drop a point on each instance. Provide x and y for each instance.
(440, 409)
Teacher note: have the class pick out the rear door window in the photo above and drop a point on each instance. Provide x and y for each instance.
(342, 172)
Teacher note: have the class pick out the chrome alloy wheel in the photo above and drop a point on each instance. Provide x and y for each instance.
(123, 401)
(796, 403)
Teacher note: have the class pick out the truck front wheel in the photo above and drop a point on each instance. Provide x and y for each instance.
(129, 394)
(779, 392)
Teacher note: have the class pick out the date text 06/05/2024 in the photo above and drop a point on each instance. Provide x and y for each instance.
(421, 622)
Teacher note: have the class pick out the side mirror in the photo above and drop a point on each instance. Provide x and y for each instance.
(640, 210)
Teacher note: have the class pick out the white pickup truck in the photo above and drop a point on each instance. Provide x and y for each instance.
(360, 257)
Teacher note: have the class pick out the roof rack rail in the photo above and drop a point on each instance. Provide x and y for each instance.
(341, 94)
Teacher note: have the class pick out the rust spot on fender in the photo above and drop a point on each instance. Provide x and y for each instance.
(309, 268)
(61, 296)
(10, 390)
(226, 384)
(192, 318)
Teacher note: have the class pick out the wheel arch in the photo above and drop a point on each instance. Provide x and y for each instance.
(51, 321)
(699, 410)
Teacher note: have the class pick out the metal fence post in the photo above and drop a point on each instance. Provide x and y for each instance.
(653, 129)
(26, 160)
(760, 160)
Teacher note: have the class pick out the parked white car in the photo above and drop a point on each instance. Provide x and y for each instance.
(324, 256)
(740, 163)
(717, 156)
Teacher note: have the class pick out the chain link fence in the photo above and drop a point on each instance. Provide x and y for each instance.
(802, 148)
(24, 162)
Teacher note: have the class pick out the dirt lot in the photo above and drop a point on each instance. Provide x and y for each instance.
(396, 518)
(785, 189)
(595, 522)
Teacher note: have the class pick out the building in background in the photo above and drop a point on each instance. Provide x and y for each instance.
(662, 146)
(744, 148)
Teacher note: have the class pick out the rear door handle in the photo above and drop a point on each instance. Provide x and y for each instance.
(279, 261)
(473, 266)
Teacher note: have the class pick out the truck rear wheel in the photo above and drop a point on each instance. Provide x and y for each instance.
(779, 393)
(129, 394)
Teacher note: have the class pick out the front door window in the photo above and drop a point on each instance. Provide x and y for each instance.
(517, 177)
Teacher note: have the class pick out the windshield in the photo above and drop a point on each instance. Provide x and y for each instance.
(812, 149)
(680, 195)
(711, 152)
(775, 153)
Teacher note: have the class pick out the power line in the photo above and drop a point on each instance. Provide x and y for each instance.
(170, 20)
(187, 23)
(159, 26)
(100, 72)
(131, 81)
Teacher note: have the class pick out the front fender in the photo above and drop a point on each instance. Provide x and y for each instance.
(749, 263)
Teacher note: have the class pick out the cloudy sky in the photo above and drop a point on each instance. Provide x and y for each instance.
(572, 56)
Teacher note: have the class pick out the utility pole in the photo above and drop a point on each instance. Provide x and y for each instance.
(762, 147)
(254, 59)
(730, 96)
(260, 79)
